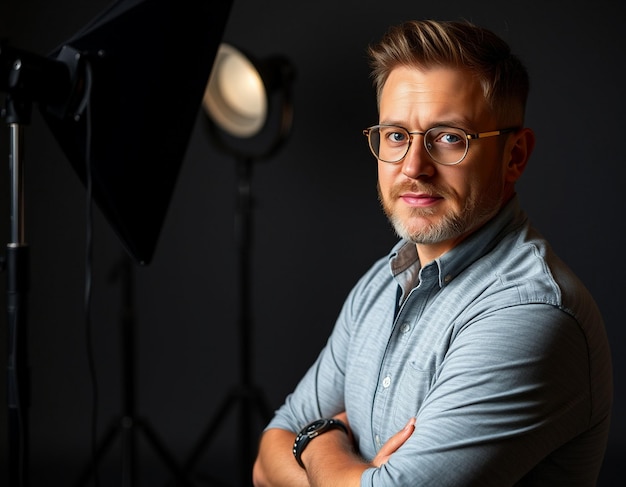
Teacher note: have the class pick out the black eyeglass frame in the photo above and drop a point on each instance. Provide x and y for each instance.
(478, 135)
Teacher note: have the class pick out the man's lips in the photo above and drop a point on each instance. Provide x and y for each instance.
(419, 199)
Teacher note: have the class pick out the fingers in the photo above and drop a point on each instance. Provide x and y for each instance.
(393, 443)
(397, 440)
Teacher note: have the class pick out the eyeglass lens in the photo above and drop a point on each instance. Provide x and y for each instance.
(446, 145)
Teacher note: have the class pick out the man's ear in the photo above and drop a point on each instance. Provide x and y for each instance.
(519, 147)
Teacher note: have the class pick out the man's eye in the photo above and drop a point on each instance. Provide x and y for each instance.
(396, 137)
(450, 138)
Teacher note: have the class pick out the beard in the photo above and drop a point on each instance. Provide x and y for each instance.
(452, 224)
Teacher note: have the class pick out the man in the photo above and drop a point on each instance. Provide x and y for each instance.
(471, 355)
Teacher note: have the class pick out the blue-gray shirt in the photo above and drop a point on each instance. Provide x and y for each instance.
(497, 350)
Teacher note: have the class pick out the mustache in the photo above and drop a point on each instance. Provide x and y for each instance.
(417, 187)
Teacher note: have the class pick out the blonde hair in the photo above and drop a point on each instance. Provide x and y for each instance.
(426, 44)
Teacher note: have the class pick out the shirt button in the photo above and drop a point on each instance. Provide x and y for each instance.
(386, 382)
(405, 328)
(447, 279)
(377, 439)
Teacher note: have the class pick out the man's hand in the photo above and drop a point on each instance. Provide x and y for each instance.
(336, 463)
(393, 443)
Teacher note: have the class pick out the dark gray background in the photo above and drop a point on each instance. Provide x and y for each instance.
(317, 221)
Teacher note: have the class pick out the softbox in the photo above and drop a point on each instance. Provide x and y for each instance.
(141, 69)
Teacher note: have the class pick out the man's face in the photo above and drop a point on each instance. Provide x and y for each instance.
(433, 205)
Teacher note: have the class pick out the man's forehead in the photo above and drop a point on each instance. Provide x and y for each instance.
(438, 93)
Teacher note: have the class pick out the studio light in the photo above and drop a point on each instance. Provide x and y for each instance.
(249, 113)
(235, 97)
(247, 103)
(122, 145)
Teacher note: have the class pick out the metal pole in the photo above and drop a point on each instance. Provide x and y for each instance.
(17, 268)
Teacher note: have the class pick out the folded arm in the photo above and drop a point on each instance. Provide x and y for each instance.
(330, 459)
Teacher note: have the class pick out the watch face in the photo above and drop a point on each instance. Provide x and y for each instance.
(311, 431)
(316, 427)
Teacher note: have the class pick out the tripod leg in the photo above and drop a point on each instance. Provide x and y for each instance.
(107, 441)
(167, 458)
(129, 452)
(253, 401)
(249, 399)
(211, 428)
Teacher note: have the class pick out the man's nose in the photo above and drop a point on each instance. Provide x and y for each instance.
(417, 161)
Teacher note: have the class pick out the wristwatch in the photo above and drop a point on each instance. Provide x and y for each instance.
(312, 430)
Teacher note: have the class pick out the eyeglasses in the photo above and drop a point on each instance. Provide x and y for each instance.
(445, 145)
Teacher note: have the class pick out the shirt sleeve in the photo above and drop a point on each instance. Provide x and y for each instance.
(506, 395)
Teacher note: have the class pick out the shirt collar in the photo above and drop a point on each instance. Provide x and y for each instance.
(404, 263)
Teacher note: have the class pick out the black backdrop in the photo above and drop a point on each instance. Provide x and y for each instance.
(317, 222)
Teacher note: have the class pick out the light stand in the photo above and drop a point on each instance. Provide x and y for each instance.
(17, 268)
(119, 64)
(245, 394)
(128, 426)
(236, 131)
(18, 77)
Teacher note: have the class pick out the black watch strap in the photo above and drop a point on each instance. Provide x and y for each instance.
(312, 430)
